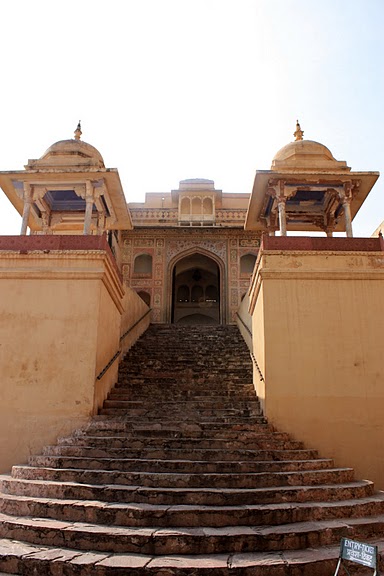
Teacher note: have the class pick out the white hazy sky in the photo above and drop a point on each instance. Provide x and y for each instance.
(174, 89)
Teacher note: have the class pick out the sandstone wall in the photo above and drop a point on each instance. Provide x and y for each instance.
(317, 331)
(60, 325)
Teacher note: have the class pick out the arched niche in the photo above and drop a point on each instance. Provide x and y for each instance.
(185, 206)
(196, 205)
(143, 264)
(207, 206)
(247, 263)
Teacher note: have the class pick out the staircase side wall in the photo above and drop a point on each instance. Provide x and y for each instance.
(322, 316)
(51, 305)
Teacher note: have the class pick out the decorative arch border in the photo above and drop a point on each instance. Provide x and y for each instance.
(223, 279)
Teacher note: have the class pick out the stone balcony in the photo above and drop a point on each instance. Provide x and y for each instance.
(170, 217)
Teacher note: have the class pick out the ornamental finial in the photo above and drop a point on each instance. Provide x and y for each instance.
(299, 133)
(78, 131)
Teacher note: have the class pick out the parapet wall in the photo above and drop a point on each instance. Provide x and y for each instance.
(61, 305)
(317, 307)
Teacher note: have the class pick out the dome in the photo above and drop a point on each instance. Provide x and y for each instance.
(306, 155)
(300, 147)
(72, 153)
(76, 150)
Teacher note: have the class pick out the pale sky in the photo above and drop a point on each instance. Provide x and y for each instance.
(175, 89)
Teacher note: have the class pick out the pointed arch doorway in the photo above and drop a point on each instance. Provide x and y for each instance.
(196, 290)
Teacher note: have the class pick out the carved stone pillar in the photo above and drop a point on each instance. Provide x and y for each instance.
(100, 224)
(270, 227)
(89, 200)
(28, 199)
(45, 222)
(281, 200)
(329, 225)
(346, 197)
(277, 191)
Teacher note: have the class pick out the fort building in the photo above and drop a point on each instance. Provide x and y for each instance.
(95, 271)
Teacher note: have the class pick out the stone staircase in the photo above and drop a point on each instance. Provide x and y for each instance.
(181, 475)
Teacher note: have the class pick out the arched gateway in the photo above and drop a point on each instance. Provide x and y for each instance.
(195, 279)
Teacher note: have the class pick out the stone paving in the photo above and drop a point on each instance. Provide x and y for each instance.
(181, 475)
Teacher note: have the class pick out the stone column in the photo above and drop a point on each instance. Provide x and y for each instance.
(89, 200)
(27, 207)
(100, 224)
(347, 216)
(346, 197)
(45, 222)
(270, 228)
(329, 226)
(281, 200)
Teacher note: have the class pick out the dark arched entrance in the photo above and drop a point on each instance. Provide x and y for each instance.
(196, 291)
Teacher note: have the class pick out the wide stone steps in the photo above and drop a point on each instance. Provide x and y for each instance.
(188, 540)
(185, 466)
(40, 560)
(182, 443)
(179, 409)
(209, 455)
(188, 496)
(229, 415)
(124, 400)
(138, 391)
(124, 424)
(144, 514)
(187, 480)
(181, 475)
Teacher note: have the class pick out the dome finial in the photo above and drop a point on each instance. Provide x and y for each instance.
(299, 133)
(78, 131)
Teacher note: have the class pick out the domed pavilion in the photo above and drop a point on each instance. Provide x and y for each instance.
(307, 189)
(68, 191)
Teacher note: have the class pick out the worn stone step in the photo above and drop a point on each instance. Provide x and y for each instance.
(167, 390)
(186, 444)
(177, 454)
(179, 410)
(207, 415)
(38, 560)
(154, 432)
(140, 514)
(109, 425)
(185, 540)
(188, 403)
(179, 496)
(187, 480)
(124, 401)
(185, 466)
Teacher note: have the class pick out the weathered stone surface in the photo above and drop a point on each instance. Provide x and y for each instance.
(181, 475)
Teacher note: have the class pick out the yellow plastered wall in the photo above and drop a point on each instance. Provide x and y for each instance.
(58, 318)
(318, 321)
